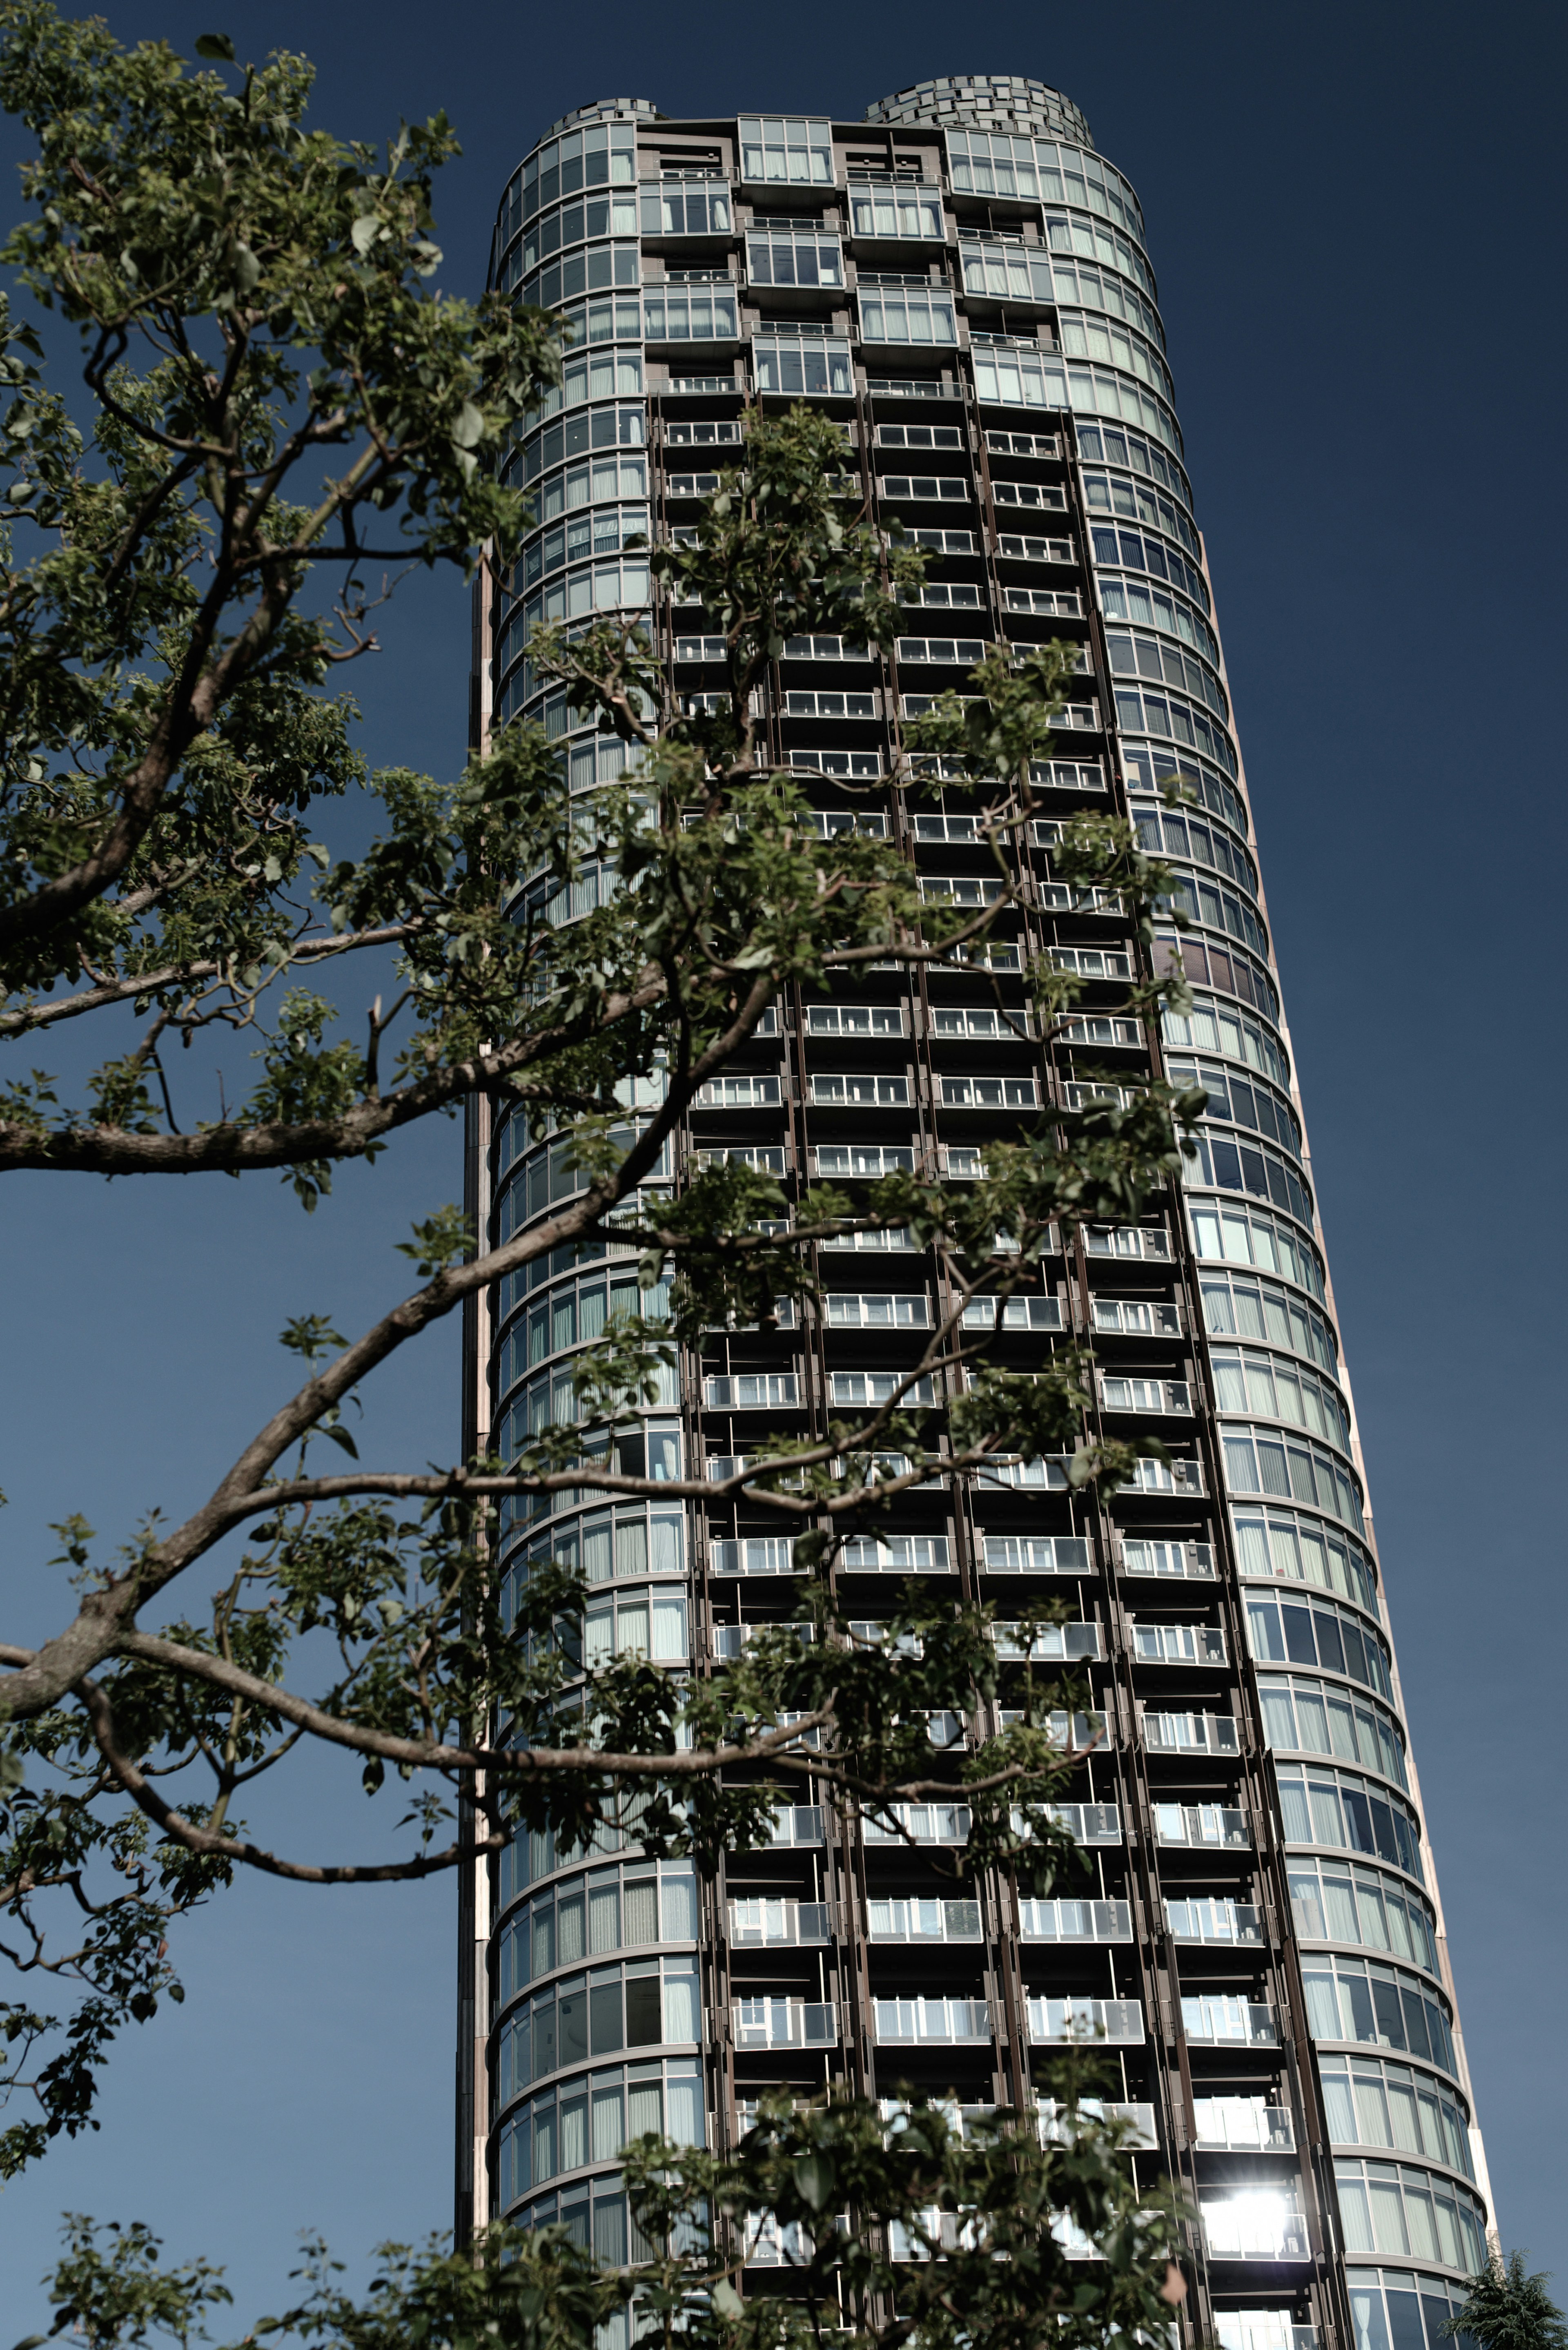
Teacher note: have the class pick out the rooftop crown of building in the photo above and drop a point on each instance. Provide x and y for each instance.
(1009, 102)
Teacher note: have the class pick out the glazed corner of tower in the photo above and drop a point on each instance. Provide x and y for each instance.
(1012, 102)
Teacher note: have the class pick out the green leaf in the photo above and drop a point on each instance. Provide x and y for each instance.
(365, 231)
(814, 2177)
(217, 46)
(469, 429)
(727, 2303)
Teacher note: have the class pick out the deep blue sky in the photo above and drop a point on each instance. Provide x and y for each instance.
(1355, 213)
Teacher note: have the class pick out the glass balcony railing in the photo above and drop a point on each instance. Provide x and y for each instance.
(921, 1823)
(1057, 2022)
(1215, 1921)
(1187, 1561)
(1136, 1317)
(1075, 1921)
(935, 2022)
(1255, 2226)
(1048, 1643)
(923, 1921)
(1212, 2022)
(1262, 2329)
(1190, 1733)
(797, 1823)
(1243, 2126)
(1178, 1644)
(756, 1923)
(783, 2023)
(1201, 1826)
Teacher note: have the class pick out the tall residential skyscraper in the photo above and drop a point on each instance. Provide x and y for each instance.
(965, 284)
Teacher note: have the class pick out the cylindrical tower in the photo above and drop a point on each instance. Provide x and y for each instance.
(964, 283)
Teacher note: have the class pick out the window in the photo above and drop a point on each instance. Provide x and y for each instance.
(1304, 1717)
(1259, 1461)
(1226, 1166)
(594, 2118)
(1338, 1808)
(573, 1314)
(1099, 289)
(1136, 655)
(753, 1554)
(896, 1554)
(610, 1546)
(1378, 2006)
(787, 148)
(602, 151)
(581, 486)
(1099, 338)
(1248, 1382)
(1132, 599)
(1387, 2207)
(792, 253)
(686, 204)
(1004, 268)
(1292, 1632)
(1135, 550)
(636, 2004)
(1241, 1102)
(1346, 1903)
(1304, 1552)
(1248, 1236)
(1009, 374)
(699, 311)
(905, 310)
(1108, 444)
(590, 270)
(651, 1626)
(582, 1918)
(601, 428)
(791, 363)
(885, 208)
(1219, 1028)
(1162, 714)
(601, 531)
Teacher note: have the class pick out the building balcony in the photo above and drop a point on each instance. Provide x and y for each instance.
(781, 2024)
(921, 1920)
(1201, 1827)
(1063, 2023)
(1075, 1921)
(1217, 2020)
(1183, 1561)
(758, 1923)
(1190, 1733)
(1178, 1644)
(1135, 1317)
(931, 2022)
(1243, 2126)
(1259, 2224)
(1209, 1919)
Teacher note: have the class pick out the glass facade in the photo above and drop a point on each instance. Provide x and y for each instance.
(964, 284)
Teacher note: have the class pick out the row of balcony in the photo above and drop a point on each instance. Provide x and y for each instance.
(760, 1921)
(1208, 2020)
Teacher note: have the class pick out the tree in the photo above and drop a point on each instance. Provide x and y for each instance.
(1508, 2310)
(252, 299)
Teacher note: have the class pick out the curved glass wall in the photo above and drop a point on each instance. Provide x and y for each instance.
(998, 359)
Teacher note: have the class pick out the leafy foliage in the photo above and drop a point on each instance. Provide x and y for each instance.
(1508, 2309)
